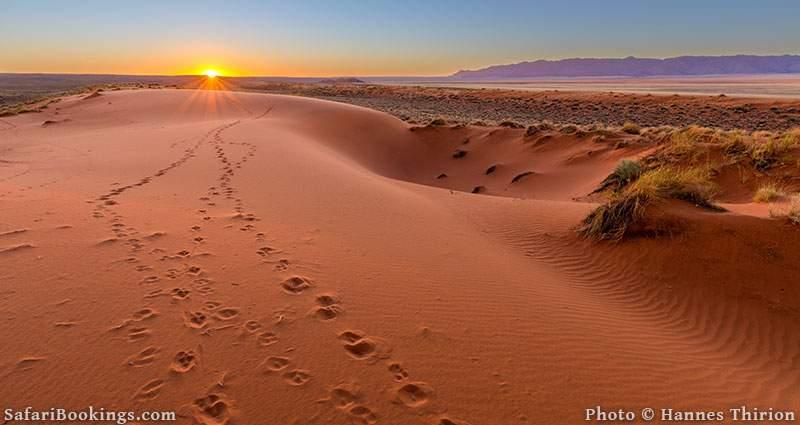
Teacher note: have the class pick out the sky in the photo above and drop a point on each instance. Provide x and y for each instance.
(375, 38)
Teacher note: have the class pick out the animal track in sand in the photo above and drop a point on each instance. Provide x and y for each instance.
(295, 285)
(251, 326)
(399, 373)
(276, 363)
(213, 409)
(180, 294)
(328, 308)
(267, 250)
(144, 314)
(151, 279)
(194, 270)
(281, 265)
(415, 394)
(361, 347)
(297, 377)
(196, 319)
(266, 339)
(345, 397)
(184, 361)
(362, 414)
(138, 334)
(211, 305)
(143, 358)
(226, 313)
(149, 391)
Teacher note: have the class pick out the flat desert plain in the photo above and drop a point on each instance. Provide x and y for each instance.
(248, 258)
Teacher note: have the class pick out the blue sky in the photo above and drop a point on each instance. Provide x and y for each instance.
(349, 37)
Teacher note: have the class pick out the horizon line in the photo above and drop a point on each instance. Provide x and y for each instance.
(477, 67)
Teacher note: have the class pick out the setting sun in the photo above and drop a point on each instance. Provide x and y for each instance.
(210, 73)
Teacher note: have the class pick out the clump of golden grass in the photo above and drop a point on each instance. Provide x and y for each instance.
(794, 210)
(625, 172)
(613, 220)
(631, 128)
(768, 193)
(791, 213)
(685, 144)
(687, 184)
(766, 154)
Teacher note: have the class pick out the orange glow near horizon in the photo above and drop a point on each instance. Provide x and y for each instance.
(211, 82)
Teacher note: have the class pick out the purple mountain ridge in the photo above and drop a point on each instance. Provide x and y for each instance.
(638, 67)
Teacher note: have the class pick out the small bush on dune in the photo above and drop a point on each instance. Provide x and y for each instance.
(687, 184)
(768, 150)
(625, 172)
(628, 170)
(768, 193)
(631, 128)
(613, 220)
(764, 155)
(735, 145)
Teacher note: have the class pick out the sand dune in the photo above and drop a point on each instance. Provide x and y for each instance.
(261, 259)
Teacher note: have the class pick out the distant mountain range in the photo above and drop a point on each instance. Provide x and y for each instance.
(638, 67)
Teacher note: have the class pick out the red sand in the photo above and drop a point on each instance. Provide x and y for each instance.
(279, 255)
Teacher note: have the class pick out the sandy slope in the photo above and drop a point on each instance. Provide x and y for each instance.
(260, 259)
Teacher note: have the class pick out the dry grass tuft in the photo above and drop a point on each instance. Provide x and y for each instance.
(613, 220)
(768, 193)
(625, 172)
(794, 210)
(631, 128)
(791, 213)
